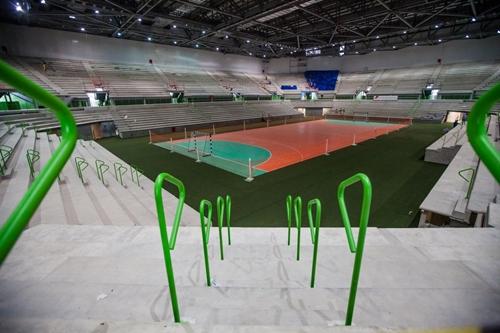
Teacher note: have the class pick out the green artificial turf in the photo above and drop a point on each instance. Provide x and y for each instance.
(400, 179)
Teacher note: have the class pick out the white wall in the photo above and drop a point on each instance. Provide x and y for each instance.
(451, 52)
(40, 42)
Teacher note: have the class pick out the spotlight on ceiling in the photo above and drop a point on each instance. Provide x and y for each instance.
(466, 36)
(174, 26)
(18, 7)
(197, 45)
(96, 11)
(473, 19)
(175, 42)
(149, 38)
(72, 17)
(374, 50)
(82, 29)
(119, 34)
(139, 19)
(415, 43)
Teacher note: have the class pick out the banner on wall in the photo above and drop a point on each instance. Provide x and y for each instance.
(385, 98)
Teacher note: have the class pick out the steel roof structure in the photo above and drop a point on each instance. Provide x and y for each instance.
(267, 29)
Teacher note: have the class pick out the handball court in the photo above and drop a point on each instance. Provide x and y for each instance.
(272, 148)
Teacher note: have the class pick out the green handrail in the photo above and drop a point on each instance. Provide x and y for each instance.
(363, 224)
(470, 181)
(205, 223)
(220, 222)
(477, 131)
(168, 243)
(81, 164)
(32, 156)
(297, 208)
(138, 172)
(22, 213)
(99, 165)
(314, 224)
(228, 218)
(5, 153)
(118, 171)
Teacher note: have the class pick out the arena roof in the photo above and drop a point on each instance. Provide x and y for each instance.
(267, 29)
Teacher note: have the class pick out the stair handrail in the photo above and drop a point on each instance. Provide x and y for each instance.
(32, 156)
(224, 209)
(138, 172)
(469, 181)
(120, 170)
(477, 132)
(99, 164)
(26, 207)
(205, 235)
(81, 164)
(314, 225)
(297, 209)
(168, 243)
(5, 153)
(355, 247)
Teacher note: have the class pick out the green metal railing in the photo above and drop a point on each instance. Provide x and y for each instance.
(120, 170)
(138, 173)
(81, 165)
(477, 131)
(168, 242)
(32, 156)
(22, 213)
(206, 223)
(224, 207)
(355, 247)
(314, 225)
(470, 181)
(223, 210)
(101, 168)
(5, 154)
(297, 208)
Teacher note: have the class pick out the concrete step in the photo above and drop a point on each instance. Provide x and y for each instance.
(97, 326)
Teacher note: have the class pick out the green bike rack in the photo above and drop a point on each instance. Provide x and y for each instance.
(22, 213)
(477, 131)
(314, 224)
(206, 223)
(120, 170)
(297, 208)
(470, 181)
(32, 156)
(168, 243)
(101, 167)
(354, 247)
(81, 164)
(5, 154)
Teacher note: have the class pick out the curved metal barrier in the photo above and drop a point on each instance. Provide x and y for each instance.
(470, 181)
(478, 133)
(354, 247)
(81, 164)
(5, 154)
(314, 224)
(206, 223)
(168, 242)
(297, 209)
(120, 170)
(22, 213)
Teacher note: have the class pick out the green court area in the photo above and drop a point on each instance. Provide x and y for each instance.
(400, 178)
(227, 155)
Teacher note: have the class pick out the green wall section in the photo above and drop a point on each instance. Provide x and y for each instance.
(400, 177)
(18, 102)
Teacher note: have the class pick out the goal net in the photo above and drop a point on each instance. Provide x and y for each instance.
(360, 116)
(202, 142)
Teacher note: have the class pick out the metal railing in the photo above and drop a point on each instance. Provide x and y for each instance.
(477, 131)
(81, 165)
(223, 210)
(101, 168)
(138, 173)
(32, 156)
(168, 242)
(314, 225)
(5, 154)
(469, 181)
(22, 213)
(355, 247)
(120, 170)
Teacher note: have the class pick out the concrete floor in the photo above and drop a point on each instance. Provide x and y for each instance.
(62, 278)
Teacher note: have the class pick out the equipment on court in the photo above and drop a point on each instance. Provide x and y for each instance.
(361, 116)
(200, 141)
